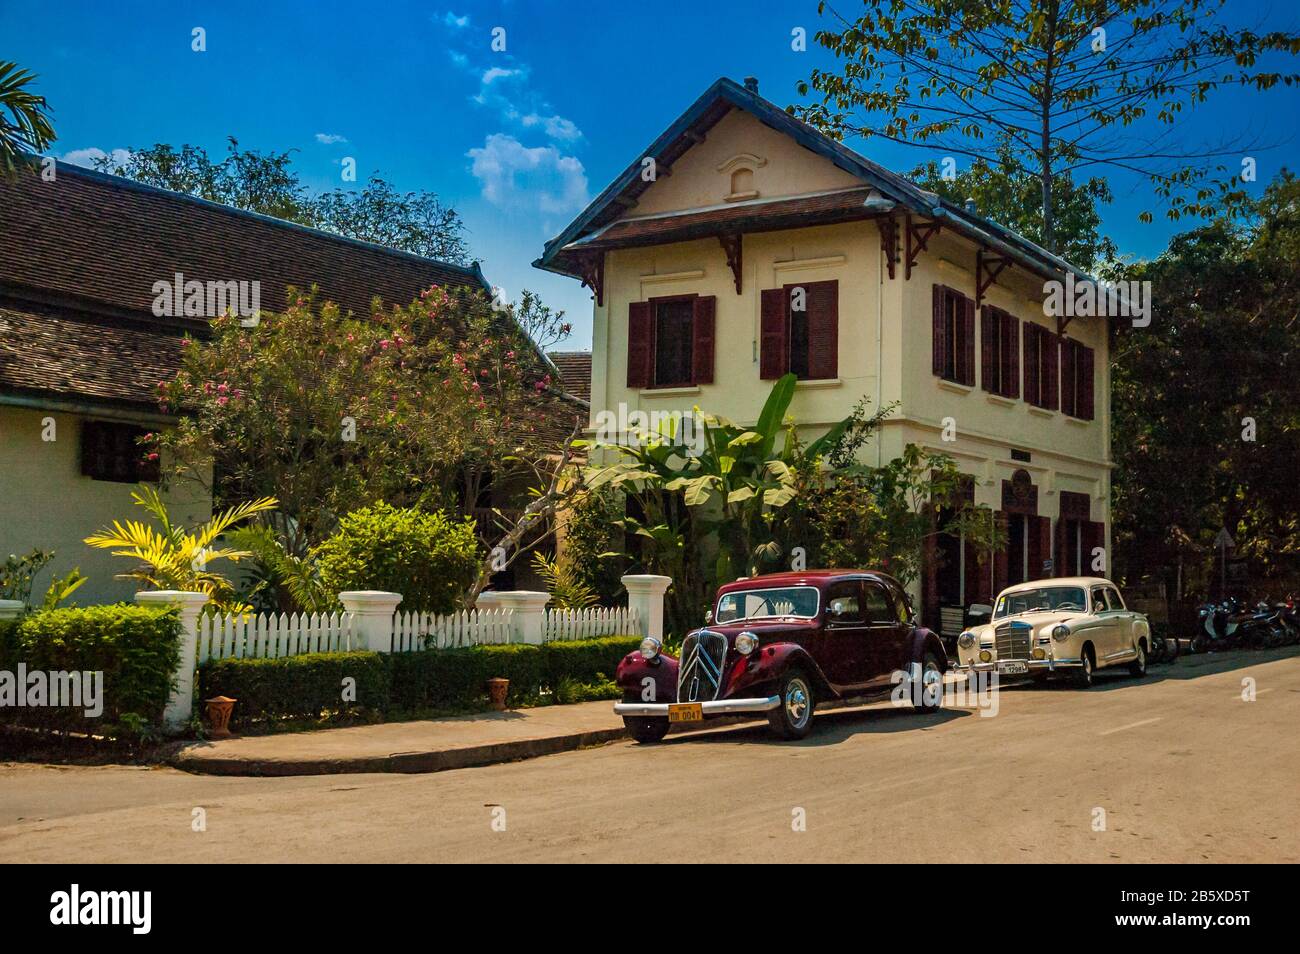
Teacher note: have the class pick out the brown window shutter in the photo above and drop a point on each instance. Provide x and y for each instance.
(1051, 358)
(823, 329)
(640, 344)
(940, 344)
(990, 373)
(774, 336)
(1010, 356)
(702, 327)
(1068, 392)
(966, 371)
(1040, 545)
(1063, 565)
(1031, 363)
(1085, 373)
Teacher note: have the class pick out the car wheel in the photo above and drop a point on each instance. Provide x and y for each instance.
(645, 728)
(1138, 667)
(1083, 675)
(793, 716)
(931, 675)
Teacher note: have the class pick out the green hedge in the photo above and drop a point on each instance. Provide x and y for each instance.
(137, 649)
(428, 679)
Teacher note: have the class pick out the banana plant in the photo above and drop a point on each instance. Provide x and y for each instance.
(733, 478)
(172, 557)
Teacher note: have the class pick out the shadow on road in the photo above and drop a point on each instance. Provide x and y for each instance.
(830, 727)
(1182, 669)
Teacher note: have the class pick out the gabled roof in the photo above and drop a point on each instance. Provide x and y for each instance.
(575, 372)
(102, 241)
(725, 95)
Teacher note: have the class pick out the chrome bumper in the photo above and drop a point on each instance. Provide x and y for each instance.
(1033, 664)
(714, 707)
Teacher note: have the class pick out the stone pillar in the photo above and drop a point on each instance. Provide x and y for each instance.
(372, 617)
(11, 609)
(645, 596)
(528, 624)
(180, 705)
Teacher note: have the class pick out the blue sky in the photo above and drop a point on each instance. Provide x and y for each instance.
(517, 141)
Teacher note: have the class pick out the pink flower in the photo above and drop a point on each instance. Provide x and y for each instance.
(223, 400)
(153, 457)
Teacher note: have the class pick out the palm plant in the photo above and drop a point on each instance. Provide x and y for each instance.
(172, 557)
(565, 584)
(24, 122)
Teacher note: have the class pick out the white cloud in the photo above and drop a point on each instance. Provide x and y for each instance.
(455, 22)
(87, 157)
(521, 179)
(496, 73)
(557, 127)
(330, 139)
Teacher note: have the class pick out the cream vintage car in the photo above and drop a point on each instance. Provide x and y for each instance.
(1074, 625)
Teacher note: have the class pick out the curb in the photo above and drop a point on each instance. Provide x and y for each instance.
(438, 760)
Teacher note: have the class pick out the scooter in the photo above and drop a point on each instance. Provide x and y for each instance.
(1219, 625)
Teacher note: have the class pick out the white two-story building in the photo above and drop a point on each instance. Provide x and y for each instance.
(692, 254)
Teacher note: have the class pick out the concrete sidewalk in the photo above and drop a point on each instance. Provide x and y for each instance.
(432, 745)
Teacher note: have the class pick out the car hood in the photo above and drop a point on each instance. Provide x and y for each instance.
(1037, 621)
(760, 628)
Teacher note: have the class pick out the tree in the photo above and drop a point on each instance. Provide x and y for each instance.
(25, 127)
(415, 222)
(1010, 196)
(1206, 409)
(328, 412)
(1054, 82)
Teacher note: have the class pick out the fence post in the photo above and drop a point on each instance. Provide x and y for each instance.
(180, 704)
(645, 597)
(372, 617)
(528, 622)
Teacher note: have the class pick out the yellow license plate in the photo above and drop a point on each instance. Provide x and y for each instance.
(685, 712)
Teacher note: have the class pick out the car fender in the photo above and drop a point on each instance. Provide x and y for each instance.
(927, 639)
(634, 669)
(767, 664)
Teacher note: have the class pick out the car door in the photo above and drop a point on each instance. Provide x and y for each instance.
(1123, 620)
(843, 650)
(887, 637)
(1107, 637)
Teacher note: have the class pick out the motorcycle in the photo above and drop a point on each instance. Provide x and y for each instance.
(1220, 623)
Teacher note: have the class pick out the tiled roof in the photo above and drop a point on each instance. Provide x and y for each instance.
(108, 239)
(575, 372)
(79, 257)
(751, 216)
(51, 353)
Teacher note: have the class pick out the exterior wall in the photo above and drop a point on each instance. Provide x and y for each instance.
(787, 169)
(45, 502)
(848, 253)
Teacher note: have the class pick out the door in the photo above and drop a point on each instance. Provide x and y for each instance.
(1108, 635)
(1124, 619)
(843, 650)
(887, 646)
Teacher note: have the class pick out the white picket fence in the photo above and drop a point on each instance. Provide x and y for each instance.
(413, 631)
(591, 622)
(269, 636)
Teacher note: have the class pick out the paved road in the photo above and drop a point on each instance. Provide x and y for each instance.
(1183, 768)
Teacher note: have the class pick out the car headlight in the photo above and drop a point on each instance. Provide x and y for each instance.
(1061, 631)
(650, 647)
(966, 640)
(746, 643)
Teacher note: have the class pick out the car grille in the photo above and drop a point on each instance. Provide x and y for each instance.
(1011, 640)
(700, 675)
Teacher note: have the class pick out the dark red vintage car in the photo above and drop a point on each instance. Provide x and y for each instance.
(777, 644)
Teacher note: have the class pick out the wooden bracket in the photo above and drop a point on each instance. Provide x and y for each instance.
(889, 242)
(917, 237)
(593, 275)
(987, 270)
(733, 244)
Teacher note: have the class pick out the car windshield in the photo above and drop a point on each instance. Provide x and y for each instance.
(1041, 598)
(756, 604)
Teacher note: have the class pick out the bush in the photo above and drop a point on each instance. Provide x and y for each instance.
(429, 679)
(427, 557)
(137, 649)
(305, 685)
